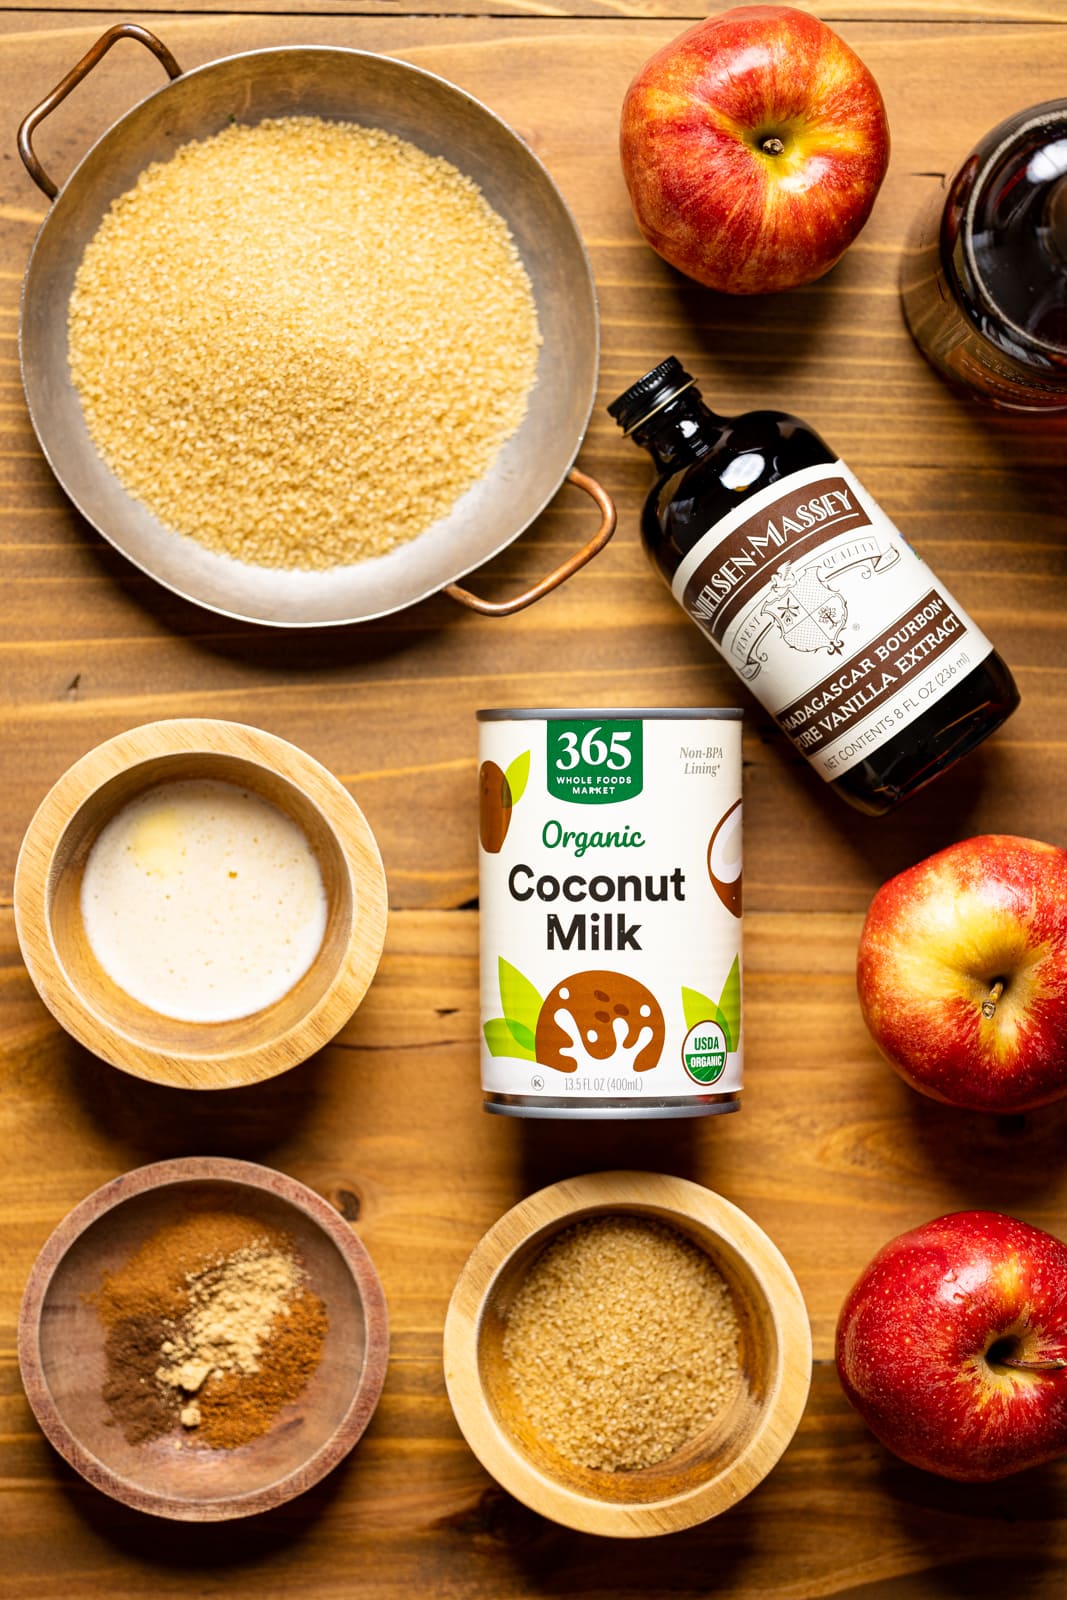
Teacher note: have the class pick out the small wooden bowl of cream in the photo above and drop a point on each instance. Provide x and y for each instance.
(627, 1353)
(200, 903)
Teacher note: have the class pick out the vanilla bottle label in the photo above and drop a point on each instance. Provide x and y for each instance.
(816, 601)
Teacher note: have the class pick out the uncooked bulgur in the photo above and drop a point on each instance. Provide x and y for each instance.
(622, 1343)
(300, 342)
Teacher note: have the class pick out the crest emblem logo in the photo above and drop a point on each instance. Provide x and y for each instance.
(808, 614)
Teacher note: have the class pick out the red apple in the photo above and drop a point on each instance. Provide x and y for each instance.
(952, 1346)
(753, 146)
(962, 973)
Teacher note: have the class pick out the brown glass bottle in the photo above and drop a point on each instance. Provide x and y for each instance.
(792, 570)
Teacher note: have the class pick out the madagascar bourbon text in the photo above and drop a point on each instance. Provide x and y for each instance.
(794, 589)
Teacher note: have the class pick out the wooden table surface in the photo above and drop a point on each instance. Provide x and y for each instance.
(831, 1154)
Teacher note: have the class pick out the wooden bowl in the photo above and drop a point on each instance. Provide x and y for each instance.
(102, 1016)
(715, 1469)
(61, 1344)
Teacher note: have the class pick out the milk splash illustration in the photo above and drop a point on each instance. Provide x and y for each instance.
(623, 1055)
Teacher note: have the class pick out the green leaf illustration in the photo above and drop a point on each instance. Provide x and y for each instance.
(698, 1008)
(519, 1000)
(517, 775)
(502, 1042)
(522, 1035)
(730, 1001)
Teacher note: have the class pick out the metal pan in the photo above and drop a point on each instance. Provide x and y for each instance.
(380, 92)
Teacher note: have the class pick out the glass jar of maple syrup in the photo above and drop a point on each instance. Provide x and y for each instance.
(781, 557)
(984, 283)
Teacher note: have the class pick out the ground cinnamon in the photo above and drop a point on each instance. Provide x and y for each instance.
(211, 1331)
(154, 1278)
(237, 1408)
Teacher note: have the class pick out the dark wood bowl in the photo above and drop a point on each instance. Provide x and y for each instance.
(61, 1344)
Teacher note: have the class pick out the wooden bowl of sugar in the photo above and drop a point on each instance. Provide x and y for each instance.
(117, 1248)
(200, 903)
(627, 1353)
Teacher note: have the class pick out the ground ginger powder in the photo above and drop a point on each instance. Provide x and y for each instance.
(233, 1304)
(211, 1330)
(300, 342)
(622, 1343)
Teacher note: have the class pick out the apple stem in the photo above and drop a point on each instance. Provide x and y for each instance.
(1052, 1364)
(989, 1007)
(772, 146)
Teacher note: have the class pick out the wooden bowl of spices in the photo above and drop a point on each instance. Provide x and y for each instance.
(627, 1353)
(203, 1339)
(200, 903)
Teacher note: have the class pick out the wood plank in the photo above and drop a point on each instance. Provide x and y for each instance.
(399, 730)
(840, 14)
(411, 1512)
(832, 1154)
(845, 350)
(90, 646)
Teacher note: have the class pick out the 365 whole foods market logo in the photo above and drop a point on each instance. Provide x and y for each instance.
(595, 763)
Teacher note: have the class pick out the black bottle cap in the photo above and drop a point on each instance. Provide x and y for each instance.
(650, 393)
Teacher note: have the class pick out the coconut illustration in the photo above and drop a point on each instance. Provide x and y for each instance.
(599, 1017)
(494, 806)
(724, 859)
(499, 792)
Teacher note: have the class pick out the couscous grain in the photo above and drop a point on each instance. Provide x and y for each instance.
(622, 1343)
(300, 342)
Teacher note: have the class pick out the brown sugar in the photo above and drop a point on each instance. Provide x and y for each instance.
(622, 1343)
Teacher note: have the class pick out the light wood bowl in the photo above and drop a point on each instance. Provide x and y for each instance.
(61, 1344)
(715, 1469)
(92, 1007)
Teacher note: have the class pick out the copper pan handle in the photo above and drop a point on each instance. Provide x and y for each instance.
(121, 30)
(504, 608)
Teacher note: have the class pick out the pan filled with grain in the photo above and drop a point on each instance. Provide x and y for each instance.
(309, 334)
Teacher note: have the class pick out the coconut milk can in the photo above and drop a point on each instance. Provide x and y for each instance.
(610, 873)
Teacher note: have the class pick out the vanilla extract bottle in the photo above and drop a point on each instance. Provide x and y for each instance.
(800, 580)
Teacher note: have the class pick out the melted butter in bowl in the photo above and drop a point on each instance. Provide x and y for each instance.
(203, 901)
